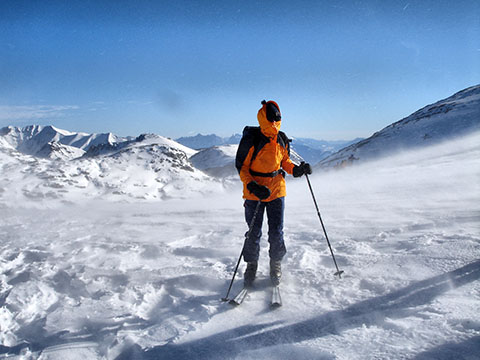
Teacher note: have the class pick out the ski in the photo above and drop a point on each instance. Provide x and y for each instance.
(276, 298)
(237, 300)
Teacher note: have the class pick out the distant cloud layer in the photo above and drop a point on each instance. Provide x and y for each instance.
(13, 113)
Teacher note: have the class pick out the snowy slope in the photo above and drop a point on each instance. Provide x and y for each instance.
(313, 151)
(218, 161)
(149, 167)
(143, 280)
(448, 118)
(56, 150)
(161, 140)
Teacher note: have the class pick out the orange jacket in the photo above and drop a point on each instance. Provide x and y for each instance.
(272, 156)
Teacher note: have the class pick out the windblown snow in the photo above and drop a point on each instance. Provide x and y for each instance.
(97, 272)
(454, 116)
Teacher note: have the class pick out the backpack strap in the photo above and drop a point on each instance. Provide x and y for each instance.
(252, 137)
(284, 141)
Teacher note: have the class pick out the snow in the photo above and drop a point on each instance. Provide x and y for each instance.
(218, 161)
(161, 140)
(149, 167)
(455, 116)
(120, 277)
(37, 140)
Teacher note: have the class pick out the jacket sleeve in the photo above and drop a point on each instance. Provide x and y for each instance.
(287, 164)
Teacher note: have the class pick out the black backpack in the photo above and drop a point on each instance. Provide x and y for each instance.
(253, 136)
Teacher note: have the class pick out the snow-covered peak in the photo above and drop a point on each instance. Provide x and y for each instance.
(147, 167)
(464, 103)
(161, 140)
(15, 136)
(59, 131)
(35, 139)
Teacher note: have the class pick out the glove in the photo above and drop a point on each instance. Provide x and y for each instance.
(303, 168)
(260, 191)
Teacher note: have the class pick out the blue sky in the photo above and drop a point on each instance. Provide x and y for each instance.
(338, 69)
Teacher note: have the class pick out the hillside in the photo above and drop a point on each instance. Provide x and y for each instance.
(446, 119)
(147, 167)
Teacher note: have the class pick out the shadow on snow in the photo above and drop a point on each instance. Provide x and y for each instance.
(397, 304)
(468, 349)
(228, 344)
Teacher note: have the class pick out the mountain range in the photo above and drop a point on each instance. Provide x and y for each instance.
(39, 162)
(310, 150)
(147, 167)
(200, 141)
(51, 142)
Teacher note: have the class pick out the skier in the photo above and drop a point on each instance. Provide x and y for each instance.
(262, 158)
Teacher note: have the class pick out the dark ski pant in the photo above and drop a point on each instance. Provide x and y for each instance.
(275, 210)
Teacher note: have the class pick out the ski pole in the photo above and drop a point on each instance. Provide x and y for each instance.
(250, 227)
(339, 272)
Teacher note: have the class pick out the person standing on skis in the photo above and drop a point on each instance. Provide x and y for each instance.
(262, 159)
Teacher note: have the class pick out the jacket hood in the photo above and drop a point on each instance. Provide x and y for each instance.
(268, 128)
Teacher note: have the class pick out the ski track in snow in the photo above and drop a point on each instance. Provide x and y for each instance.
(143, 280)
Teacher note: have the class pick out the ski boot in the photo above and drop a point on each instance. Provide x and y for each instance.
(250, 273)
(275, 271)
